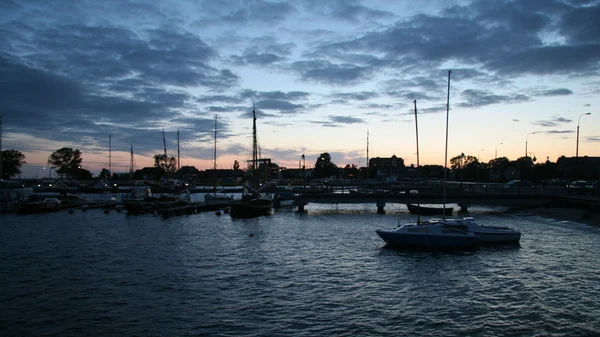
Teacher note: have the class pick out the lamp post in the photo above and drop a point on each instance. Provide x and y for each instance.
(577, 147)
(496, 153)
(49, 171)
(531, 133)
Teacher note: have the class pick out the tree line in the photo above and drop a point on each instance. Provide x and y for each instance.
(67, 163)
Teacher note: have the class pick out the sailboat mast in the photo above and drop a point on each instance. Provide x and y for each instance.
(178, 150)
(254, 142)
(215, 149)
(446, 152)
(131, 162)
(418, 167)
(0, 147)
(109, 155)
(164, 144)
(215, 159)
(166, 158)
(367, 154)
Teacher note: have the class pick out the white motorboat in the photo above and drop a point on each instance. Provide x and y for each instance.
(428, 235)
(485, 234)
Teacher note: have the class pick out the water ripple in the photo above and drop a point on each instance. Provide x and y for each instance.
(321, 273)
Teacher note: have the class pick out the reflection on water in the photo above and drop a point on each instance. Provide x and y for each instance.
(324, 272)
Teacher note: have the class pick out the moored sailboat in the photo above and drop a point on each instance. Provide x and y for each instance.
(214, 198)
(253, 203)
(429, 234)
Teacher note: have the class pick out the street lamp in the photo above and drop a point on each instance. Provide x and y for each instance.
(49, 171)
(534, 158)
(531, 133)
(496, 153)
(577, 147)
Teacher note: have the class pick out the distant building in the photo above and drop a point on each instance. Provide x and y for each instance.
(385, 168)
(587, 168)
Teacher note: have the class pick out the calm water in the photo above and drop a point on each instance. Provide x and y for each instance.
(324, 273)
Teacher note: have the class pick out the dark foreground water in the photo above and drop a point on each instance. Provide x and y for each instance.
(325, 273)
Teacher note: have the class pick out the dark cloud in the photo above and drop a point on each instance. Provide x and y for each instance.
(219, 98)
(588, 105)
(478, 98)
(282, 106)
(326, 124)
(412, 95)
(580, 24)
(253, 12)
(380, 106)
(346, 120)
(557, 132)
(257, 59)
(271, 95)
(555, 92)
(593, 139)
(552, 122)
(549, 60)
(329, 73)
(346, 97)
(348, 10)
(515, 120)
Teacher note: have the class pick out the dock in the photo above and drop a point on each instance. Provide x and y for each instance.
(191, 208)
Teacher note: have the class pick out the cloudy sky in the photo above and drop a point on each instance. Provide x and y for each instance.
(321, 73)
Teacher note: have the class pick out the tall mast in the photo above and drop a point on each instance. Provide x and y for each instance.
(109, 156)
(166, 158)
(165, 144)
(254, 142)
(446, 152)
(418, 167)
(367, 153)
(131, 169)
(178, 150)
(0, 147)
(215, 159)
(215, 149)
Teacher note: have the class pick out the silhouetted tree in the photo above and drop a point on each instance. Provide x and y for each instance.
(104, 174)
(82, 174)
(236, 165)
(167, 164)
(67, 160)
(12, 160)
(464, 167)
(324, 167)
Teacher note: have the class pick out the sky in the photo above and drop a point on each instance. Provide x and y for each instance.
(321, 73)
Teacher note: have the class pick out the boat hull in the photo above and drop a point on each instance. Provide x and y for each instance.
(243, 209)
(426, 240)
(421, 210)
(498, 237)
